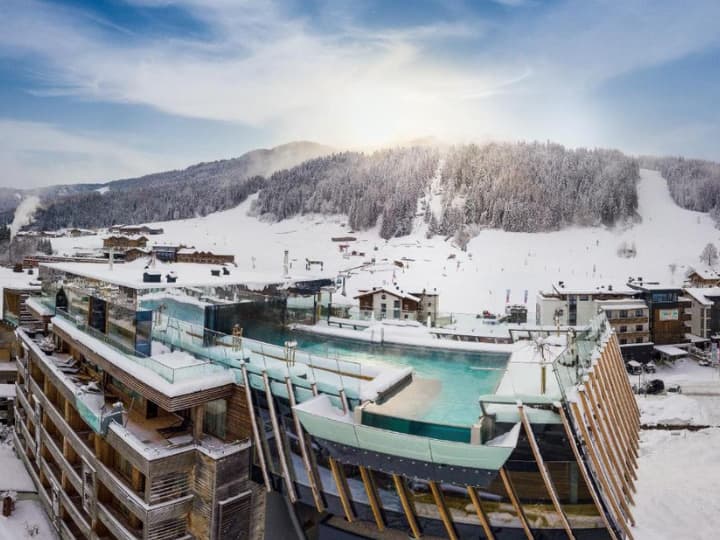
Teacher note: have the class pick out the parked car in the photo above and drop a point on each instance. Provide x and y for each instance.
(704, 363)
(656, 386)
(633, 367)
(650, 367)
(674, 388)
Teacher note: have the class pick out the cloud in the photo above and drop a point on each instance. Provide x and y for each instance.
(35, 154)
(348, 83)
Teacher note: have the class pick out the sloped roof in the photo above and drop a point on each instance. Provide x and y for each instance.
(389, 290)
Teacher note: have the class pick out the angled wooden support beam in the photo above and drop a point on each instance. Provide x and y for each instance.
(372, 493)
(482, 516)
(512, 495)
(584, 471)
(607, 456)
(614, 419)
(407, 505)
(342, 488)
(289, 485)
(607, 480)
(623, 423)
(612, 444)
(260, 453)
(443, 509)
(544, 473)
(312, 479)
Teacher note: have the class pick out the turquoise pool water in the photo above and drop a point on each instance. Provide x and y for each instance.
(456, 378)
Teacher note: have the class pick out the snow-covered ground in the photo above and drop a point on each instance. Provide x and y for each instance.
(678, 485)
(667, 239)
(28, 520)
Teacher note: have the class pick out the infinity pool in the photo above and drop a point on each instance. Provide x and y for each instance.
(448, 382)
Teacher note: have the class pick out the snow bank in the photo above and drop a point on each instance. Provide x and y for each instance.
(673, 410)
(678, 485)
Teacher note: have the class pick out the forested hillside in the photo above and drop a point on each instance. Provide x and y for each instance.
(694, 183)
(536, 187)
(366, 187)
(515, 187)
(196, 191)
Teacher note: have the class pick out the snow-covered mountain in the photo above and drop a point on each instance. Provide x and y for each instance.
(666, 238)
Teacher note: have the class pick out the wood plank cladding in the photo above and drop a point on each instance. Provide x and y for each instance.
(169, 403)
(238, 416)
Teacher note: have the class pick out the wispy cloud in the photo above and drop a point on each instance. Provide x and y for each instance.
(36, 154)
(347, 82)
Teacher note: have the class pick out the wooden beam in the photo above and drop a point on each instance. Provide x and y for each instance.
(611, 496)
(619, 382)
(342, 488)
(278, 439)
(607, 455)
(482, 516)
(607, 427)
(613, 421)
(256, 432)
(622, 421)
(442, 508)
(317, 497)
(372, 493)
(512, 495)
(584, 472)
(544, 473)
(407, 505)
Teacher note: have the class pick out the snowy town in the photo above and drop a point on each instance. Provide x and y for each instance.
(136, 361)
(375, 270)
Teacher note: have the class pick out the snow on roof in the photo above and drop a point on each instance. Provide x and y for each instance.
(622, 304)
(389, 290)
(591, 287)
(218, 377)
(670, 350)
(701, 294)
(188, 274)
(703, 273)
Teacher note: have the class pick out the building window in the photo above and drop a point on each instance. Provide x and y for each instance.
(623, 313)
(383, 307)
(639, 340)
(214, 419)
(584, 298)
(638, 327)
(382, 297)
(623, 341)
(623, 329)
(638, 312)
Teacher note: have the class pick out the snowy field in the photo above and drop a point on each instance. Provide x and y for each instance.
(667, 239)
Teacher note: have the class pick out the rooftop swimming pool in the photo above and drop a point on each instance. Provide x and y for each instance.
(447, 386)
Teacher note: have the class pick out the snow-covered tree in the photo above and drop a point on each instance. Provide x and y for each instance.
(709, 254)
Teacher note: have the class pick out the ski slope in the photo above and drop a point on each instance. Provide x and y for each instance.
(470, 281)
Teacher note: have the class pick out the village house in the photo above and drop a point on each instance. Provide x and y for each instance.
(123, 243)
(388, 303)
(136, 229)
(630, 319)
(704, 311)
(192, 255)
(702, 277)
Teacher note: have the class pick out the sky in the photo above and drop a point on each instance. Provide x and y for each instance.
(95, 90)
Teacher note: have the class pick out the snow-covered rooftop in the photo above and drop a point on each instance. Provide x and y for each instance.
(703, 272)
(188, 274)
(591, 287)
(395, 291)
(701, 294)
